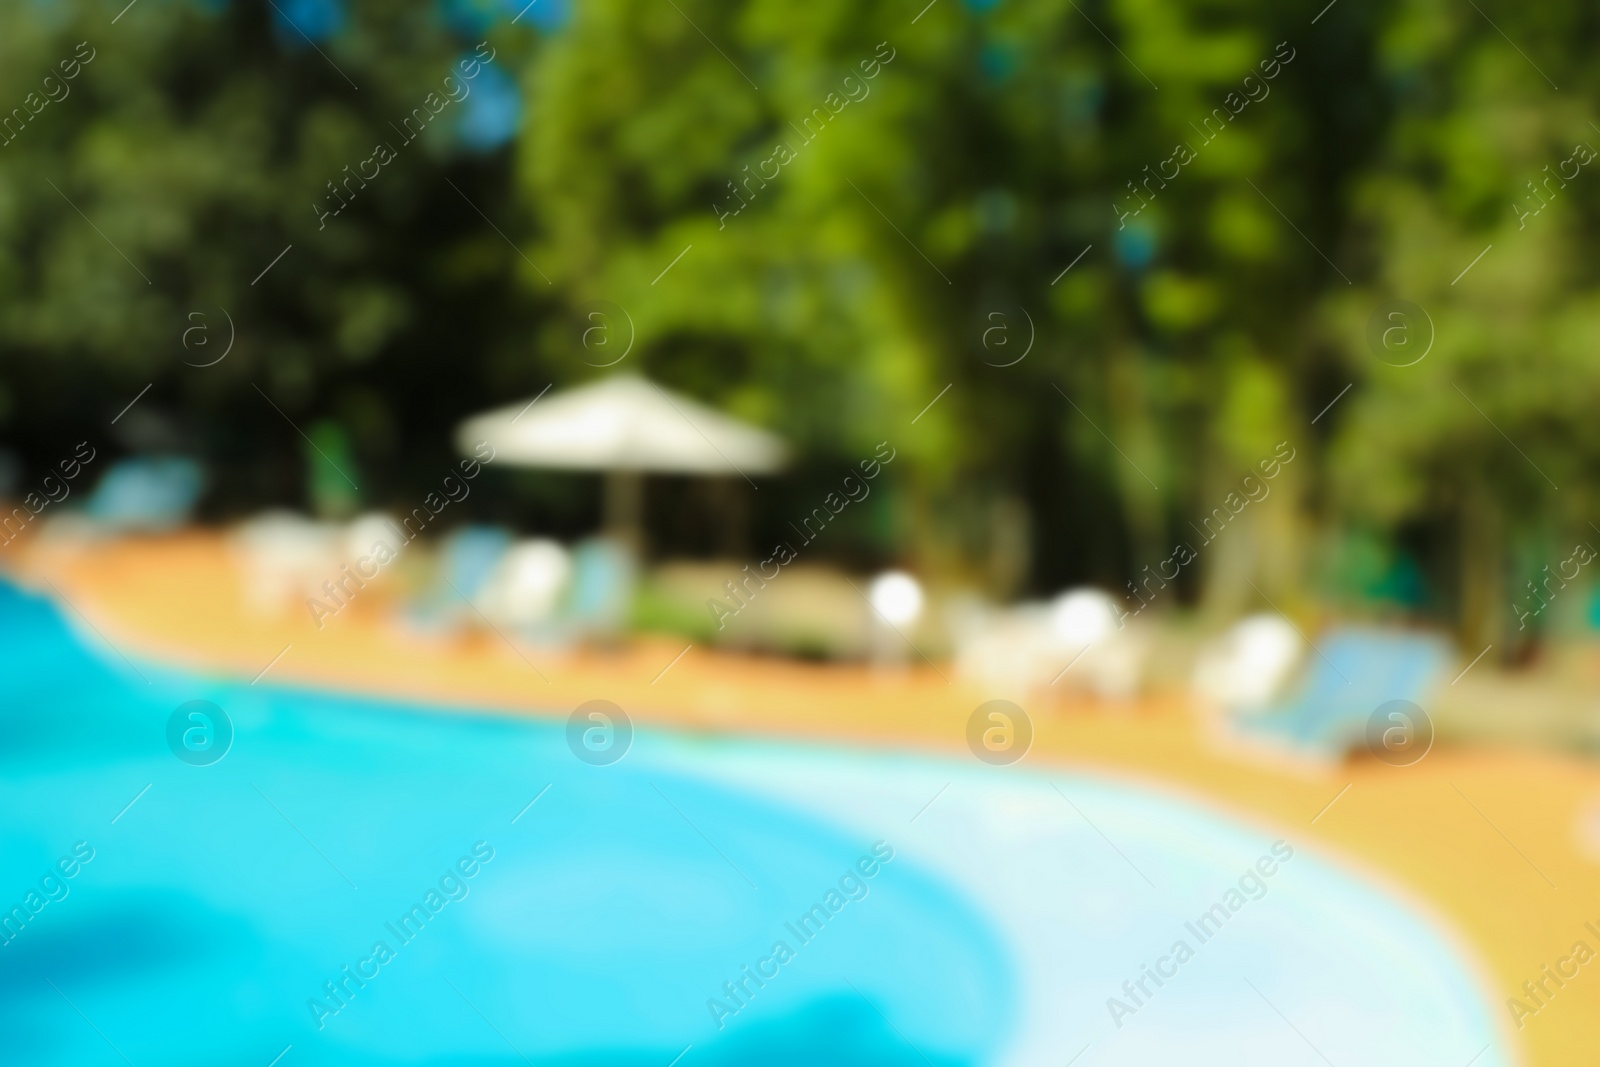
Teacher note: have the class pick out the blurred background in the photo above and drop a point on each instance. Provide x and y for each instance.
(1206, 363)
(918, 241)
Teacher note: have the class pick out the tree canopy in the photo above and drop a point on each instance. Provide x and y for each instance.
(1085, 266)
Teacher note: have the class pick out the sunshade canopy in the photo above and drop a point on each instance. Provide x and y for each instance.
(623, 423)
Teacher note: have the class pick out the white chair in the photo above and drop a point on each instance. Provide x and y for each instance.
(526, 588)
(1247, 667)
(284, 557)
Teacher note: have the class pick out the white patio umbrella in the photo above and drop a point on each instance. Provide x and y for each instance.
(625, 427)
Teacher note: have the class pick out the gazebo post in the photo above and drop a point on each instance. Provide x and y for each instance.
(624, 509)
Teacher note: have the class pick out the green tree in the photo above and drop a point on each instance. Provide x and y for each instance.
(185, 171)
(1480, 212)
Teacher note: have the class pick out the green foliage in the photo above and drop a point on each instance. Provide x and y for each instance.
(196, 146)
(1216, 311)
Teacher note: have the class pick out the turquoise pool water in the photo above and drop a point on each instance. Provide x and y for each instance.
(221, 901)
(1090, 879)
(218, 905)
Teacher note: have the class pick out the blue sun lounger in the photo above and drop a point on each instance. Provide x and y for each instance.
(1349, 674)
(467, 559)
(600, 596)
(146, 494)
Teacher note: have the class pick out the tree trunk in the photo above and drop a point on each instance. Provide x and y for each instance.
(1483, 607)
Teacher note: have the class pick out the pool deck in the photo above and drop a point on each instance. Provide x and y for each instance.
(1489, 838)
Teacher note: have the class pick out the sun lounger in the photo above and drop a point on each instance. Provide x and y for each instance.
(600, 596)
(1348, 675)
(146, 493)
(467, 559)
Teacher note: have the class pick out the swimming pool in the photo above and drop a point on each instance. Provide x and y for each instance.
(219, 905)
(533, 908)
